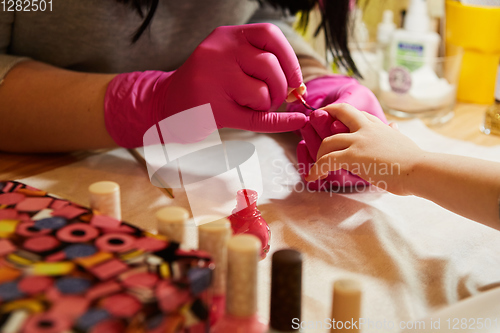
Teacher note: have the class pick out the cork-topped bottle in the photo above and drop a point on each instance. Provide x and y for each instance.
(286, 291)
(491, 124)
(241, 288)
(346, 305)
(171, 222)
(213, 238)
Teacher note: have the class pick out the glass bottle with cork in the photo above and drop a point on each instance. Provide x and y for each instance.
(491, 124)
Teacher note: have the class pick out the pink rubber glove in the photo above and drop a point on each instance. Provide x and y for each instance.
(242, 71)
(321, 92)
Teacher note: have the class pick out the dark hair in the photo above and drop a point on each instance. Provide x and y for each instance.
(334, 22)
(138, 5)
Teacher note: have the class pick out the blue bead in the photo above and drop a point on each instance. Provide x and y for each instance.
(53, 223)
(199, 279)
(154, 322)
(9, 291)
(79, 250)
(91, 318)
(72, 285)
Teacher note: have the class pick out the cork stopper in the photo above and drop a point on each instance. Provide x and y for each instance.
(286, 289)
(105, 198)
(213, 238)
(243, 253)
(346, 303)
(171, 222)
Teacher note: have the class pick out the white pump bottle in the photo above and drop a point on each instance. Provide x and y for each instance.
(415, 45)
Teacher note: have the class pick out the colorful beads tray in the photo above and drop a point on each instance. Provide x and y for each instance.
(65, 268)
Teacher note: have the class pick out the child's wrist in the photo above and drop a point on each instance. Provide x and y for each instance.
(415, 177)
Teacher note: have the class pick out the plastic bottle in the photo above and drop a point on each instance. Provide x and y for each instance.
(385, 30)
(360, 31)
(363, 52)
(416, 41)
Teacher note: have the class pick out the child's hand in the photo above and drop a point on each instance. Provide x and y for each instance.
(372, 150)
(321, 126)
(321, 92)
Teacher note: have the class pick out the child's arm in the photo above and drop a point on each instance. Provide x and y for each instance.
(385, 157)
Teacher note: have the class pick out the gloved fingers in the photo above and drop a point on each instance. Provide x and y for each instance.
(325, 164)
(326, 180)
(268, 37)
(346, 114)
(337, 142)
(249, 92)
(266, 67)
(304, 160)
(312, 139)
(265, 121)
(322, 122)
(330, 87)
(363, 99)
(338, 127)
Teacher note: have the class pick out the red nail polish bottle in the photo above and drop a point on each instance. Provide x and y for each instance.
(246, 219)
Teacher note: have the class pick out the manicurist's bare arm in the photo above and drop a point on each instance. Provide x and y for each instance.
(48, 109)
(384, 156)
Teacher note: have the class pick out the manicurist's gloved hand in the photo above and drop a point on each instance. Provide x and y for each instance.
(321, 92)
(242, 71)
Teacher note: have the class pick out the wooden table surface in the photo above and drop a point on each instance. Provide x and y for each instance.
(464, 126)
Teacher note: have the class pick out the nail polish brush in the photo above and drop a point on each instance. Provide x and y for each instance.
(302, 100)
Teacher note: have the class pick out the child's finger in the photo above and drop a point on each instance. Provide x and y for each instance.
(394, 125)
(321, 122)
(324, 165)
(312, 139)
(347, 114)
(334, 143)
(372, 117)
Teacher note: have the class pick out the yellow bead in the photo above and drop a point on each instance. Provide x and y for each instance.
(164, 270)
(19, 260)
(7, 227)
(53, 268)
(131, 255)
(93, 260)
(156, 236)
(31, 305)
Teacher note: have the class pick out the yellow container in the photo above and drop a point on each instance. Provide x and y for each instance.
(477, 30)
